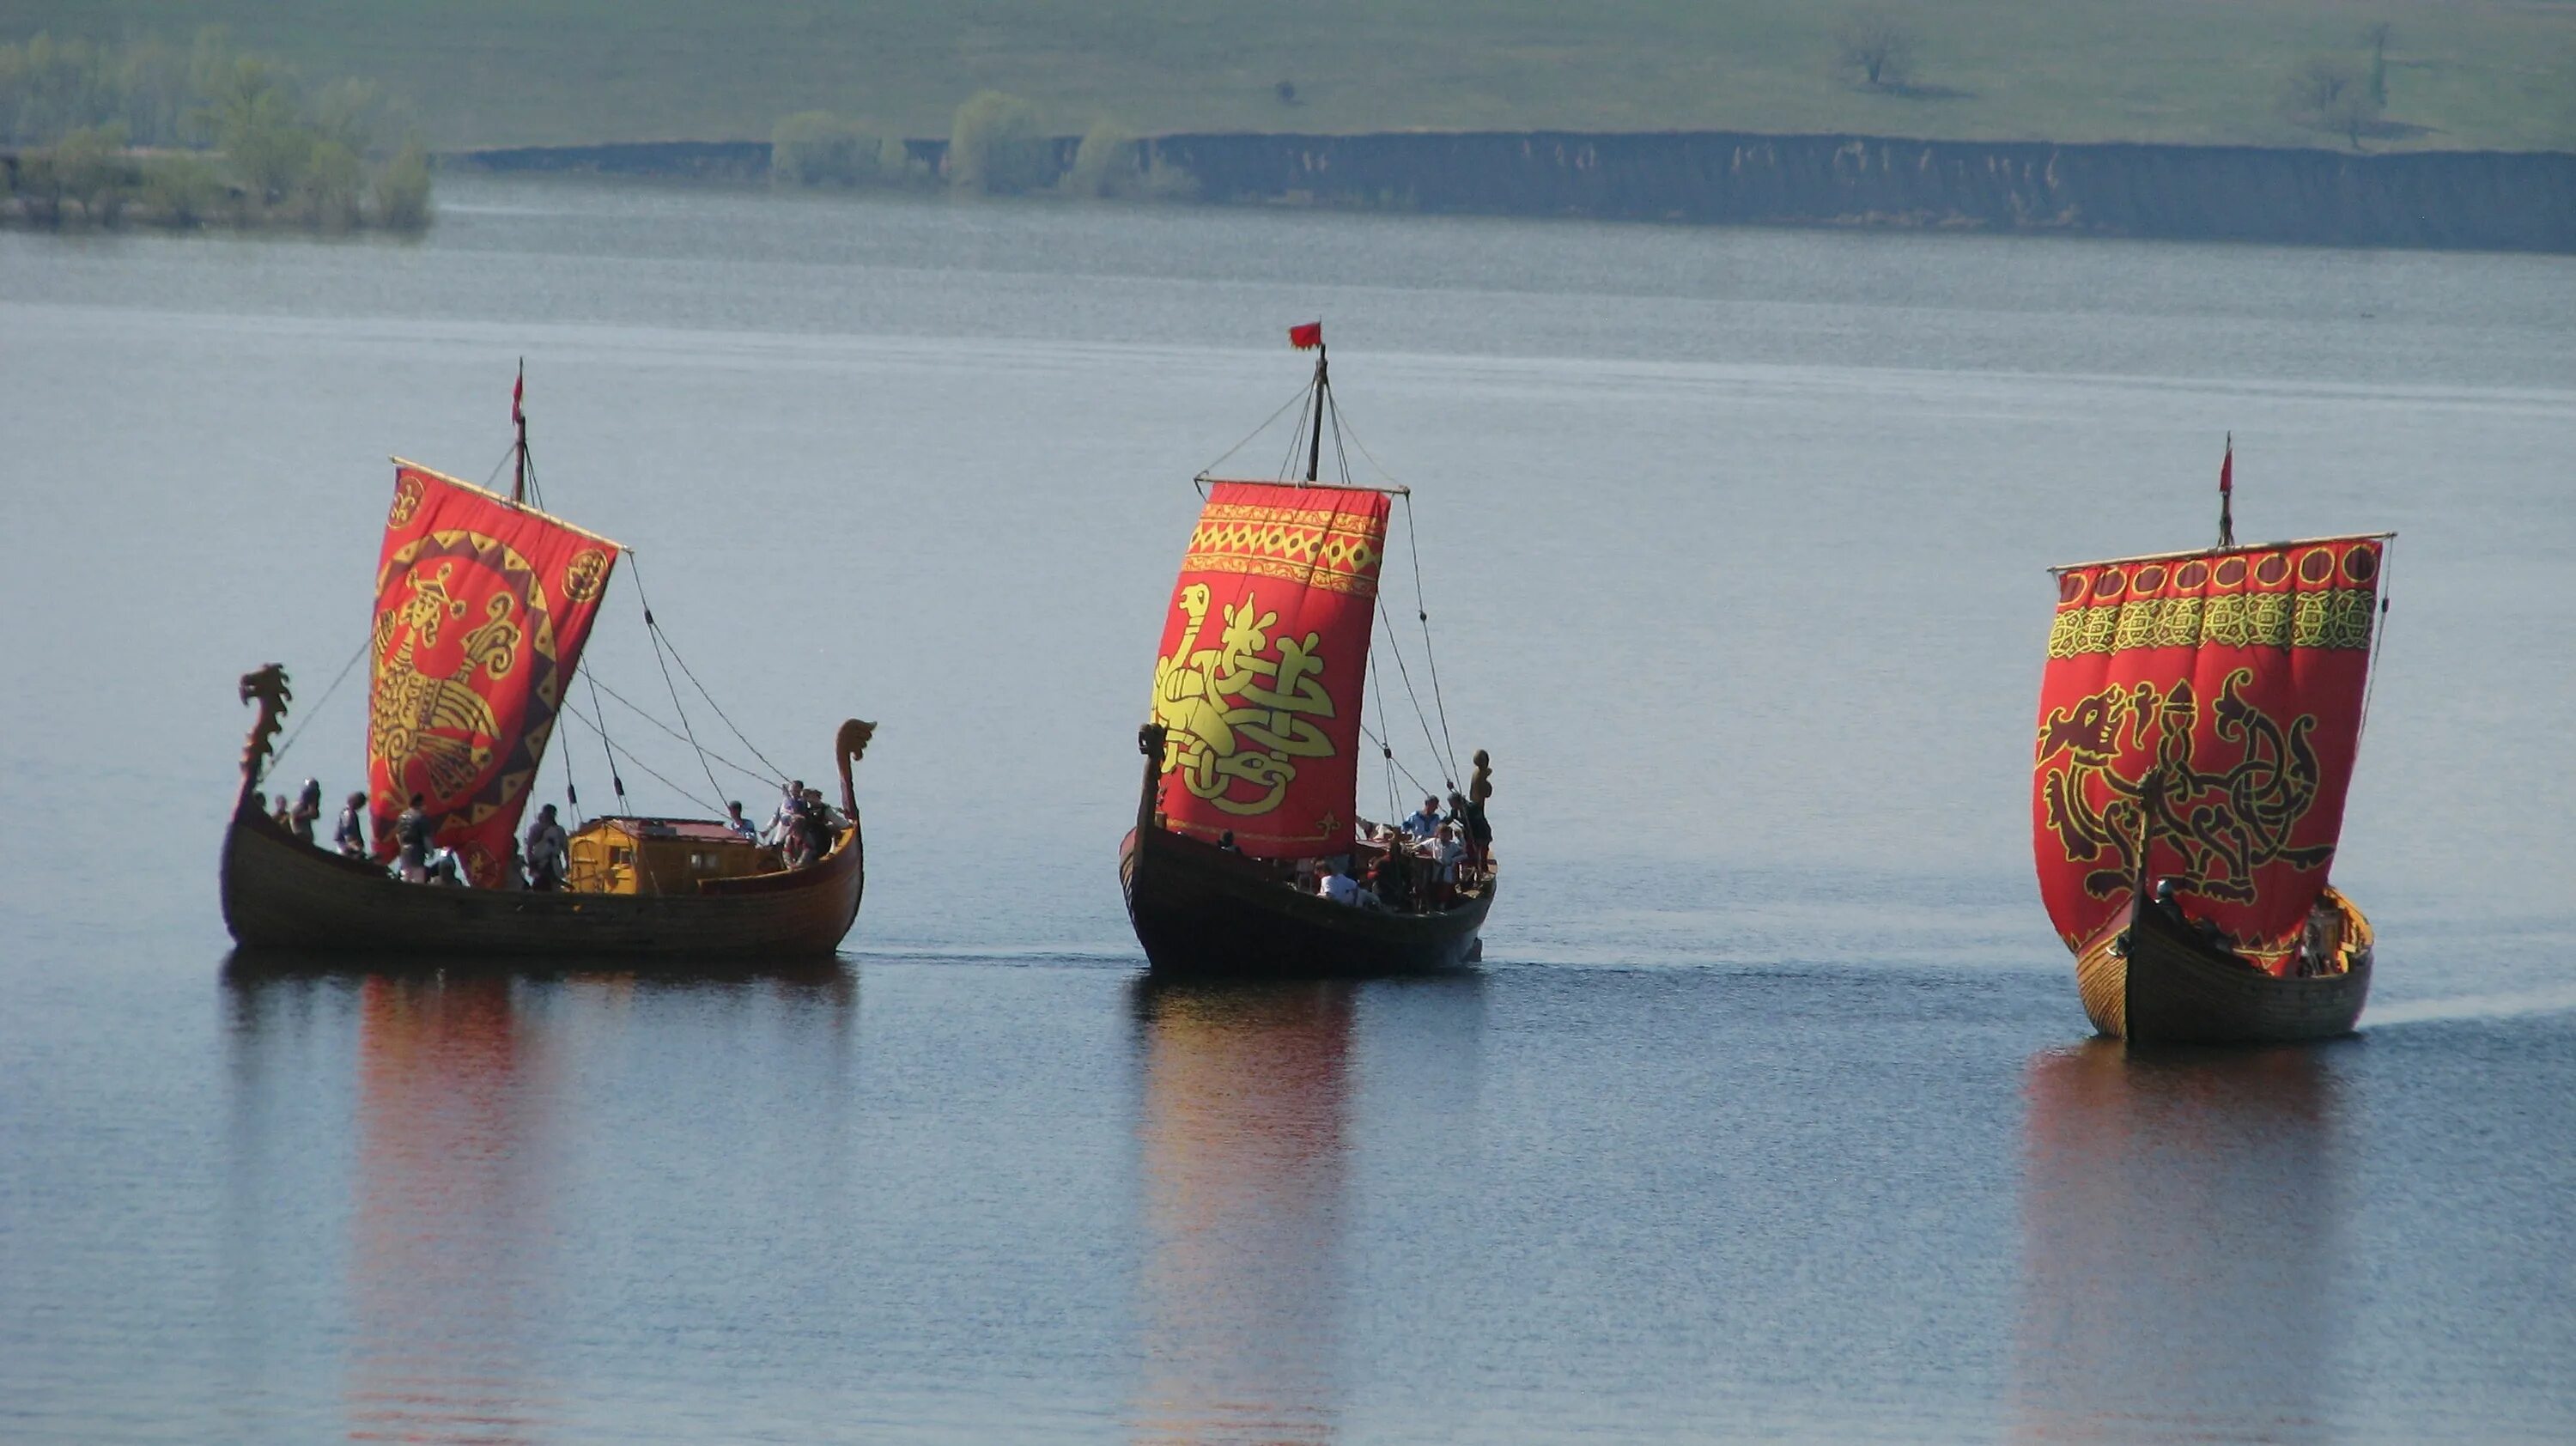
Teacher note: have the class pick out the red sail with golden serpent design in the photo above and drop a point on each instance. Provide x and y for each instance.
(1264, 653)
(2234, 676)
(482, 607)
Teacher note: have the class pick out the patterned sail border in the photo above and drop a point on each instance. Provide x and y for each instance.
(482, 609)
(2236, 677)
(1264, 654)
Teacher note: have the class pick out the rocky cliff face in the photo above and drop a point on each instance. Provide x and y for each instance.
(2473, 199)
(2481, 200)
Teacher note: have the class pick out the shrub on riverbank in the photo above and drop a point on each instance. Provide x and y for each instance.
(144, 131)
(996, 147)
(818, 148)
(1112, 164)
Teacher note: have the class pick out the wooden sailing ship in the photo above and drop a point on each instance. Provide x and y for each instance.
(483, 606)
(1248, 806)
(2198, 724)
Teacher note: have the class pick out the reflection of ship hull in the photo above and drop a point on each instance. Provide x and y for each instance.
(1202, 910)
(282, 893)
(2147, 979)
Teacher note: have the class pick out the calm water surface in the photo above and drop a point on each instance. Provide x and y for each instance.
(1770, 1114)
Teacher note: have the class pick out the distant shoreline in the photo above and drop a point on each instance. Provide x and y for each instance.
(2458, 200)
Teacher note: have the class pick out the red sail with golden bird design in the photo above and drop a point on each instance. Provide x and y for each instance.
(482, 607)
(1264, 654)
(2234, 678)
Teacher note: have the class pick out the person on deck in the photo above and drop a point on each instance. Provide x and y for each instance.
(1341, 888)
(739, 824)
(1452, 853)
(548, 852)
(411, 842)
(351, 833)
(1225, 843)
(781, 832)
(820, 822)
(307, 812)
(284, 817)
(1425, 822)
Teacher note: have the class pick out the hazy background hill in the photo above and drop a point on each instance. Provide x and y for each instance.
(2459, 73)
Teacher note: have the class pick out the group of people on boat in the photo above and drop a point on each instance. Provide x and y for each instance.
(801, 830)
(1416, 866)
(2320, 950)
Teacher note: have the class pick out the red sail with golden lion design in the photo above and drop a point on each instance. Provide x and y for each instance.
(1264, 654)
(482, 607)
(2234, 678)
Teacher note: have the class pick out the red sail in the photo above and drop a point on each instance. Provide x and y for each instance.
(2235, 677)
(1264, 653)
(482, 607)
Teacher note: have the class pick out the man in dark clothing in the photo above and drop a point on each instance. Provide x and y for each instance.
(351, 835)
(411, 841)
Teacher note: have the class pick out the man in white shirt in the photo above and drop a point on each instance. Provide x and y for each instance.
(546, 852)
(1425, 823)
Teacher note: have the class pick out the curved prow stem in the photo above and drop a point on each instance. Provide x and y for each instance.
(1149, 741)
(848, 747)
(268, 685)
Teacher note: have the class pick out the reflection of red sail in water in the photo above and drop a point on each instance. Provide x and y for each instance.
(2180, 1233)
(448, 1222)
(1243, 1167)
(2231, 679)
(482, 608)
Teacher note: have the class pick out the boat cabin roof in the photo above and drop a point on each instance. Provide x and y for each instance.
(693, 830)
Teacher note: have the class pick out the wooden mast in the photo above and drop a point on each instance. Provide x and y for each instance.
(1323, 397)
(519, 420)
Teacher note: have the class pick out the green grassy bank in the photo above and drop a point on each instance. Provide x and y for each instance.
(2457, 74)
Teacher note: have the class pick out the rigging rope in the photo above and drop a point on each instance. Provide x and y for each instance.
(629, 755)
(776, 774)
(1448, 774)
(1255, 432)
(654, 631)
(315, 711)
(1378, 677)
(2370, 689)
(614, 782)
(639, 711)
(1422, 611)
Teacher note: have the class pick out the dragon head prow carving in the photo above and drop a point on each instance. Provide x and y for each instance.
(849, 745)
(267, 684)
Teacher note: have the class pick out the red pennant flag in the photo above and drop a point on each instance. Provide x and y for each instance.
(518, 391)
(1307, 337)
(2227, 470)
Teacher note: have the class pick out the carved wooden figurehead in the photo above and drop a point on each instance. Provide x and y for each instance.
(268, 685)
(848, 747)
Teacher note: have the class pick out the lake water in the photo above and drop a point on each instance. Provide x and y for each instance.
(1771, 1112)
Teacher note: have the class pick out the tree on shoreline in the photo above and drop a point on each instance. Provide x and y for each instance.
(1874, 48)
(2333, 94)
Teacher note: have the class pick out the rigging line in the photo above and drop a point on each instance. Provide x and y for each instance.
(776, 774)
(2378, 636)
(615, 783)
(1448, 775)
(1296, 435)
(1255, 432)
(1378, 677)
(629, 755)
(638, 710)
(313, 712)
(1399, 763)
(1422, 610)
(655, 633)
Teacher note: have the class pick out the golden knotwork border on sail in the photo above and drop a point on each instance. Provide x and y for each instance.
(1315, 548)
(2332, 618)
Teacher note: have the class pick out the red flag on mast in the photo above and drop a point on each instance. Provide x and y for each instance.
(519, 391)
(2227, 468)
(1306, 337)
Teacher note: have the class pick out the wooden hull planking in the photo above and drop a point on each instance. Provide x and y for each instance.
(2164, 986)
(1203, 912)
(280, 893)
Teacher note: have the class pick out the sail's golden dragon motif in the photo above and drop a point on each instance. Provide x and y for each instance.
(442, 721)
(1233, 716)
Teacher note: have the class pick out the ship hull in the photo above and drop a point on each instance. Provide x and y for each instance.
(280, 893)
(1203, 912)
(2147, 979)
